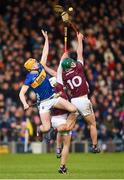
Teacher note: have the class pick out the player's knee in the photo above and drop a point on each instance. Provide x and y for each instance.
(92, 123)
(69, 127)
(65, 128)
(61, 128)
(46, 128)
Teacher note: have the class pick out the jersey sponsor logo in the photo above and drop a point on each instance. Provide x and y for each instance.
(75, 82)
(38, 81)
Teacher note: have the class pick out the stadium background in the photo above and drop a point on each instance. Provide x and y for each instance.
(102, 22)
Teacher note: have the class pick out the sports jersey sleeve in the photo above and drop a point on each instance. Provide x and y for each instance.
(59, 74)
(41, 67)
(28, 80)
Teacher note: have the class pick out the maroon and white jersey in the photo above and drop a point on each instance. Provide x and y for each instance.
(75, 81)
(54, 111)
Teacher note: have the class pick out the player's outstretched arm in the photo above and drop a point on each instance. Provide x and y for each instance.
(45, 52)
(59, 70)
(50, 71)
(80, 47)
(65, 55)
(22, 96)
(45, 48)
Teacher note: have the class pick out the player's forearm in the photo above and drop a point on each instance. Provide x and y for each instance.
(65, 55)
(59, 70)
(80, 49)
(50, 71)
(22, 98)
(59, 74)
(45, 52)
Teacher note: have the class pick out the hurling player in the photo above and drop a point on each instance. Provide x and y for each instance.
(71, 74)
(59, 117)
(38, 80)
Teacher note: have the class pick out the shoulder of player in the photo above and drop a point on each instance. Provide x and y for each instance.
(31, 75)
(28, 75)
(28, 79)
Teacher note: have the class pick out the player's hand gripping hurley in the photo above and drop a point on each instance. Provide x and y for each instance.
(66, 18)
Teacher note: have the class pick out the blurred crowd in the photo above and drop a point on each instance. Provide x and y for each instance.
(102, 23)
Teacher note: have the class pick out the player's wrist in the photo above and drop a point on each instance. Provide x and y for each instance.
(80, 38)
(25, 104)
(46, 37)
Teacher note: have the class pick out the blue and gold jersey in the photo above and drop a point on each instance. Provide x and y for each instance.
(40, 83)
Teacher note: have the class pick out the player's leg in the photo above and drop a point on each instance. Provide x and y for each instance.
(90, 119)
(64, 104)
(65, 150)
(84, 106)
(69, 125)
(44, 111)
(56, 122)
(45, 125)
(64, 154)
(45, 119)
(58, 145)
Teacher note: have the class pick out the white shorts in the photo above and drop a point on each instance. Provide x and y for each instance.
(59, 120)
(83, 104)
(47, 104)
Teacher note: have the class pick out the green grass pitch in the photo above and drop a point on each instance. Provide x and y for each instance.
(44, 166)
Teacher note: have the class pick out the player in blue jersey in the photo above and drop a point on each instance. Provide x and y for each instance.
(37, 79)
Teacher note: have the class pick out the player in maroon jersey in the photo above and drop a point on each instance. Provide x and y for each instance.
(60, 121)
(58, 118)
(71, 74)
